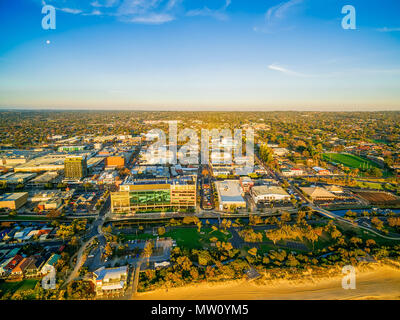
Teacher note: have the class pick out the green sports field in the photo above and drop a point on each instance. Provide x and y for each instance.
(190, 238)
(350, 160)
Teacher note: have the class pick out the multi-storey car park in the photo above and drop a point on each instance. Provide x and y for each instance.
(137, 195)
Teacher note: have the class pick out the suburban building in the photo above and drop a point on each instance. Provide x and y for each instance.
(13, 201)
(115, 161)
(321, 171)
(154, 194)
(269, 194)
(280, 151)
(71, 148)
(112, 280)
(12, 253)
(44, 195)
(14, 262)
(51, 204)
(33, 269)
(259, 170)
(230, 195)
(246, 183)
(293, 172)
(75, 167)
(4, 271)
(17, 178)
(318, 194)
(334, 189)
(221, 170)
(21, 267)
(51, 262)
(108, 177)
(43, 179)
(49, 162)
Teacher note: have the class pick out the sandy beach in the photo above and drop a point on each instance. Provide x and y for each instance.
(380, 283)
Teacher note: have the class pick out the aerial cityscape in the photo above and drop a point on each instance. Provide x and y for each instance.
(199, 150)
(83, 195)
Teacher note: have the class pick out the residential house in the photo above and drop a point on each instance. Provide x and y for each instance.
(321, 171)
(4, 271)
(14, 262)
(20, 269)
(51, 262)
(33, 269)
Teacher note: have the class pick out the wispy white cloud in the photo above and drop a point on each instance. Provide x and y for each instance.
(95, 12)
(104, 3)
(219, 14)
(70, 10)
(153, 18)
(276, 15)
(227, 4)
(337, 73)
(172, 3)
(137, 11)
(280, 11)
(207, 12)
(385, 29)
(130, 11)
(276, 67)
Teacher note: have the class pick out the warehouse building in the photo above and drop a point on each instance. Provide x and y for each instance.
(269, 194)
(13, 201)
(318, 194)
(43, 179)
(230, 195)
(17, 178)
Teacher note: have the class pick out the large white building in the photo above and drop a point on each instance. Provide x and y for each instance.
(230, 195)
(111, 280)
(269, 194)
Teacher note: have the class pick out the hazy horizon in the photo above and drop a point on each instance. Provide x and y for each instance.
(187, 109)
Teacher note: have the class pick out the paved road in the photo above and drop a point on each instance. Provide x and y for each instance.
(336, 217)
(137, 273)
(136, 278)
(79, 261)
(93, 232)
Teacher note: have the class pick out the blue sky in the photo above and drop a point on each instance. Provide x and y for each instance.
(200, 55)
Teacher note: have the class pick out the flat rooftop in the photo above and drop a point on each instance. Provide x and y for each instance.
(261, 190)
(185, 180)
(230, 191)
(12, 196)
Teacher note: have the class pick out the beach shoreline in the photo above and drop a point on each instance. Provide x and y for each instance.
(381, 282)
